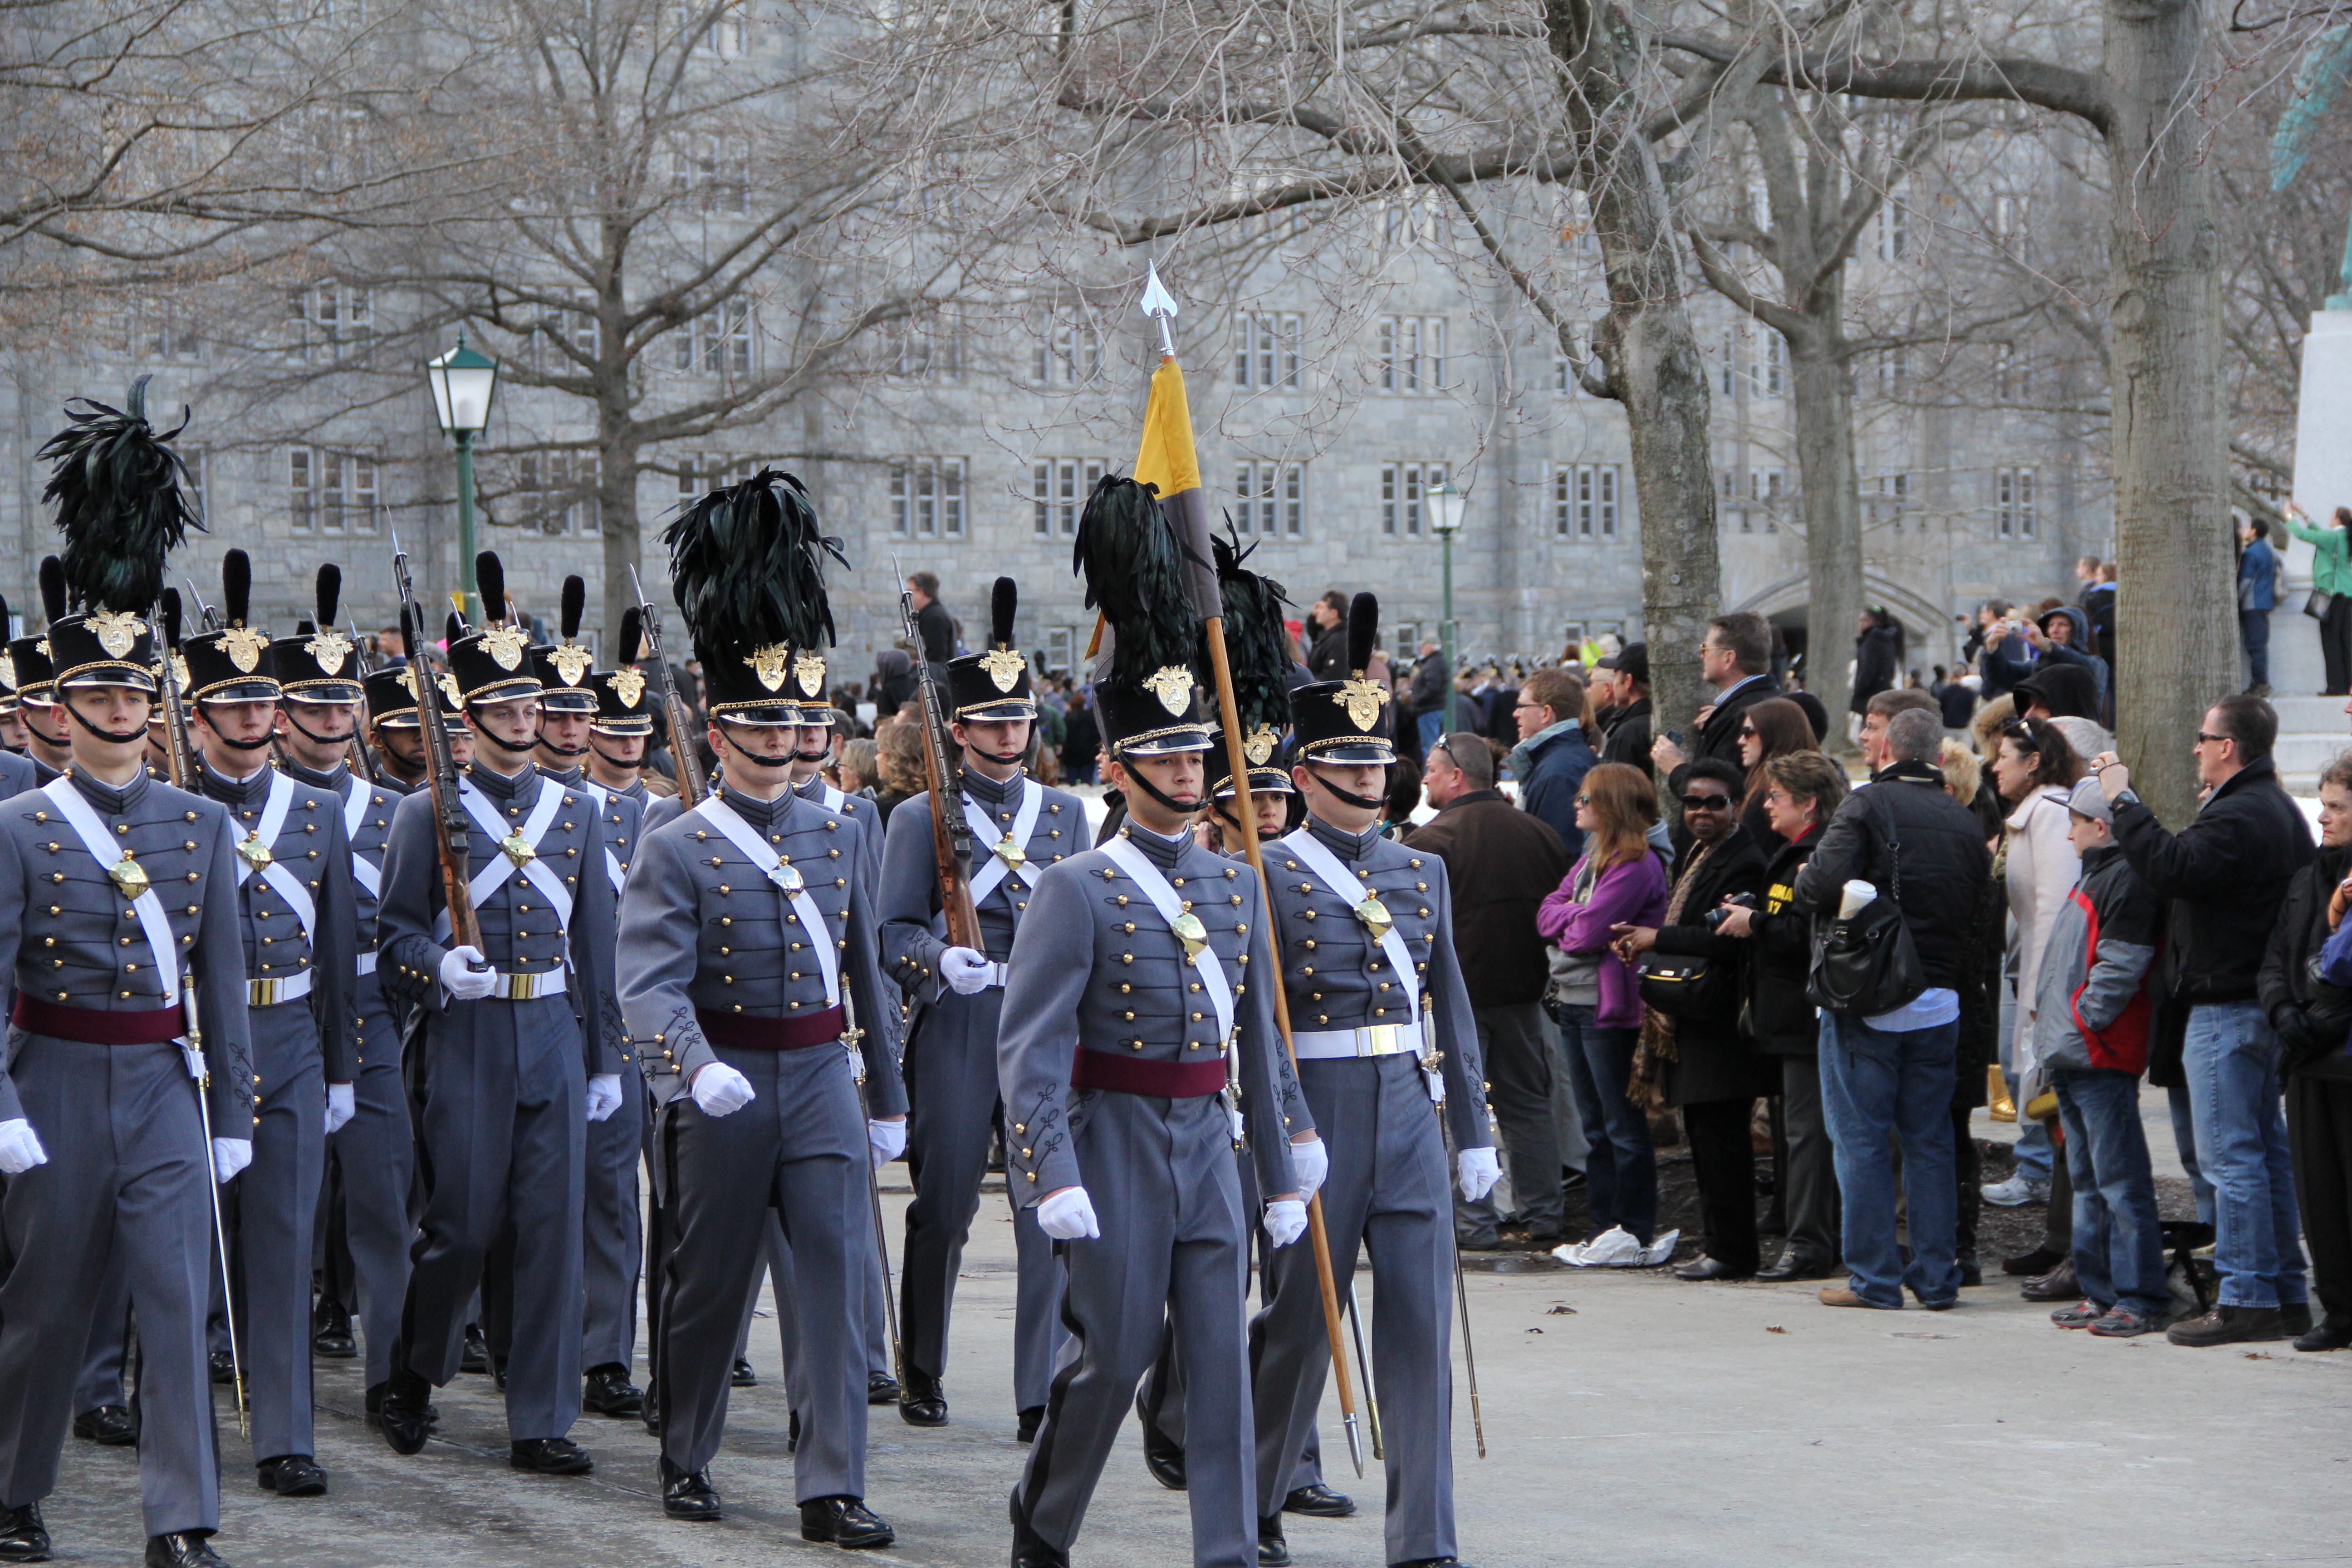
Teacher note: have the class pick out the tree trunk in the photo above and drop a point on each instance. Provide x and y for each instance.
(1651, 354)
(618, 454)
(1821, 407)
(2176, 615)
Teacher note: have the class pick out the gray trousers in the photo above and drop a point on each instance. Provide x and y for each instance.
(110, 1336)
(502, 1144)
(795, 1151)
(950, 1075)
(377, 1151)
(272, 1204)
(1174, 1253)
(611, 1243)
(1387, 1191)
(1513, 1044)
(128, 1176)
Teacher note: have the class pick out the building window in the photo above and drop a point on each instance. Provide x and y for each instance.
(1411, 353)
(1893, 371)
(1058, 488)
(713, 173)
(717, 341)
(1402, 487)
(2012, 375)
(1894, 228)
(332, 492)
(1060, 644)
(331, 321)
(1069, 353)
(2013, 502)
(699, 473)
(575, 328)
(930, 349)
(1585, 501)
(1270, 499)
(1894, 500)
(726, 32)
(557, 493)
(926, 497)
(1266, 349)
(1769, 372)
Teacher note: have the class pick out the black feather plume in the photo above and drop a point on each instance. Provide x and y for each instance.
(117, 481)
(455, 629)
(52, 589)
(1002, 600)
(172, 617)
(575, 602)
(330, 592)
(1134, 568)
(237, 586)
(632, 633)
(747, 564)
(1258, 649)
(491, 582)
(1363, 625)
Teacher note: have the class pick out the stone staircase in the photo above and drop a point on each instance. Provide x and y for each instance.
(2312, 731)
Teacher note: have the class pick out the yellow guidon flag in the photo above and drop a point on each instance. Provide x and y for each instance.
(1166, 461)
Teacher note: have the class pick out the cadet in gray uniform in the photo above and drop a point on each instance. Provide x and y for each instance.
(115, 892)
(956, 994)
(1367, 940)
(744, 929)
(293, 896)
(1133, 1002)
(318, 669)
(522, 1049)
(15, 768)
(49, 734)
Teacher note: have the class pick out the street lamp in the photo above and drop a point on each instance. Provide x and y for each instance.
(1446, 505)
(462, 381)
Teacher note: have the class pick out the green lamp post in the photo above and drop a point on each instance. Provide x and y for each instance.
(464, 381)
(1446, 505)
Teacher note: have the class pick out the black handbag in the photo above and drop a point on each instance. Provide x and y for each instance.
(1867, 965)
(2317, 606)
(1681, 987)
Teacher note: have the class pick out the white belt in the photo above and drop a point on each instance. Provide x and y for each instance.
(367, 963)
(996, 972)
(269, 993)
(526, 987)
(1374, 1040)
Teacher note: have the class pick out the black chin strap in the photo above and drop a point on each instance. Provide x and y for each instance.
(511, 748)
(1359, 802)
(1182, 808)
(787, 759)
(1011, 760)
(310, 734)
(139, 735)
(573, 752)
(613, 760)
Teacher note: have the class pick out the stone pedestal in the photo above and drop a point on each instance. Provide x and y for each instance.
(2322, 481)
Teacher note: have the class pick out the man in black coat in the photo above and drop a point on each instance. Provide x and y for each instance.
(1735, 658)
(1628, 734)
(1326, 621)
(932, 623)
(1893, 1072)
(2226, 876)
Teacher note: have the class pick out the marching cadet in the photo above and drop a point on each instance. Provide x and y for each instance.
(375, 1150)
(522, 1049)
(294, 902)
(48, 732)
(744, 929)
(15, 768)
(395, 731)
(956, 995)
(611, 1242)
(130, 1046)
(1131, 1016)
(1366, 934)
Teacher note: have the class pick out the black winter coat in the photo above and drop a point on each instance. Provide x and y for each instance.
(1943, 864)
(2313, 1018)
(1713, 1060)
(2226, 877)
(1780, 956)
(1874, 666)
(1627, 739)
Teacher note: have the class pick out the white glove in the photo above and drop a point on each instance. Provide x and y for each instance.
(964, 970)
(20, 1147)
(1068, 1214)
(603, 1095)
(1285, 1221)
(1310, 1163)
(887, 1140)
(719, 1089)
(1478, 1173)
(230, 1155)
(461, 977)
(339, 1107)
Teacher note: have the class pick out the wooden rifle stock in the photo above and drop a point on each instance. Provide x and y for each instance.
(950, 835)
(452, 829)
(180, 745)
(693, 787)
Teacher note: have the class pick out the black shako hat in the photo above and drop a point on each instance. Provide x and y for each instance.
(231, 664)
(31, 670)
(624, 702)
(747, 567)
(318, 663)
(1346, 721)
(992, 685)
(563, 667)
(492, 662)
(1264, 751)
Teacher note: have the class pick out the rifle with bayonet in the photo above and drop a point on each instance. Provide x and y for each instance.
(692, 786)
(178, 744)
(362, 759)
(452, 828)
(943, 775)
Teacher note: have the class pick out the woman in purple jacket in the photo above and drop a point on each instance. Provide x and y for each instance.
(1597, 998)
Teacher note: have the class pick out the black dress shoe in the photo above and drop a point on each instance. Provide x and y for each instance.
(1024, 1429)
(183, 1548)
(1273, 1551)
(1797, 1266)
(373, 1401)
(1971, 1271)
(652, 1411)
(550, 1457)
(741, 1375)
(1163, 1454)
(2040, 1260)
(331, 1332)
(293, 1475)
(109, 1426)
(1705, 1267)
(499, 1372)
(1319, 1501)
(403, 1416)
(687, 1495)
(1432, 1562)
(845, 1522)
(224, 1367)
(1028, 1551)
(2327, 1334)
(922, 1402)
(881, 1388)
(2058, 1285)
(609, 1392)
(475, 1356)
(2295, 1321)
(23, 1537)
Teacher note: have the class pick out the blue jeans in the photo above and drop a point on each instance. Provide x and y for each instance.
(1429, 726)
(2119, 1248)
(2254, 632)
(1875, 1083)
(2035, 1153)
(2230, 1058)
(1621, 1168)
(2184, 1140)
